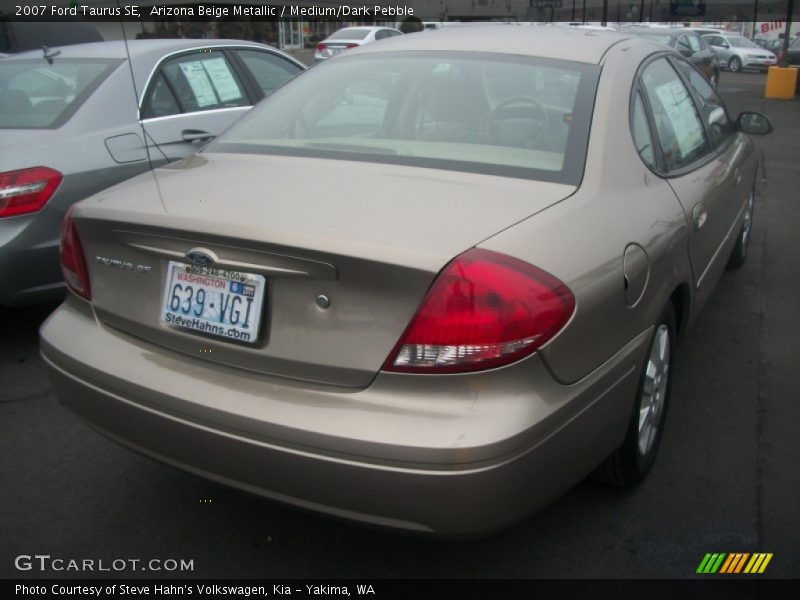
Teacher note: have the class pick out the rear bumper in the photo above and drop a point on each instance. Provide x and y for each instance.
(452, 455)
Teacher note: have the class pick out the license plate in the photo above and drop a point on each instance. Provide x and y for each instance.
(214, 301)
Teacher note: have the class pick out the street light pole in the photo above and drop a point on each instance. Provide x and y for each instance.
(787, 32)
(755, 18)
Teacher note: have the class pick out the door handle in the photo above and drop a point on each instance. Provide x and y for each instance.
(699, 216)
(196, 135)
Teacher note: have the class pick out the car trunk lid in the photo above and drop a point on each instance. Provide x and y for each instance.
(369, 238)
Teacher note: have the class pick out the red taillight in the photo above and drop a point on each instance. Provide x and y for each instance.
(73, 262)
(321, 48)
(483, 310)
(27, 190)
(352, 46)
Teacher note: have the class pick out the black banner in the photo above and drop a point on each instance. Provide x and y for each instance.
(398, 10)
(731, 588)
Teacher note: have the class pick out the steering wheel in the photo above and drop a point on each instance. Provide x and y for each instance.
(517, 121)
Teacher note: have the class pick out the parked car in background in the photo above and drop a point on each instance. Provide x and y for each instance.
(793, 52)
(736, 52)
(71, 125)
(18, 36)
(430, 284)
(775, 46)
(351, 37)
(793, 58)
(706, 31)
(688, 43)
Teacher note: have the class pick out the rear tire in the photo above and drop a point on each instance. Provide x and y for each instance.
(735, 64)
(632, 461)
(740, 249)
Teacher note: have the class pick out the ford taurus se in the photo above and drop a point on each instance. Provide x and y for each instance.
(429, 285)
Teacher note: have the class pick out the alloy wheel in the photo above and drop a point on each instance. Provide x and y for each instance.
(654, 390)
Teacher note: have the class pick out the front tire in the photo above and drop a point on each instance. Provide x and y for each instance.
(740, 249)
(735, 64)
(632, 461)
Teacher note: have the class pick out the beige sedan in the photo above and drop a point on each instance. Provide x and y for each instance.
(428, 285)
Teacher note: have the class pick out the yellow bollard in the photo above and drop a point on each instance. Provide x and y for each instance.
(781, 83)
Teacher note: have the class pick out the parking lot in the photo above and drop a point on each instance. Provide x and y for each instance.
(726, 479)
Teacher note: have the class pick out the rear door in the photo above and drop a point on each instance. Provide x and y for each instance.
(700, 154)
(190, 99)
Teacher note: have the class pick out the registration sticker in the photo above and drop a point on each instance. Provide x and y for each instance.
(214, 301)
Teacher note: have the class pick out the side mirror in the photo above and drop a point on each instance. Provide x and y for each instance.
(754, 123)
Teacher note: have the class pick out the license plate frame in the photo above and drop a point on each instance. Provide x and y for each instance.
(220, 315)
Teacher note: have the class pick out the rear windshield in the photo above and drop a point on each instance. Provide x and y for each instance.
(35, 94)
(488, 113)
(349, 34)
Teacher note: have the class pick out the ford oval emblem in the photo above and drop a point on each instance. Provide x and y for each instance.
(200, 258)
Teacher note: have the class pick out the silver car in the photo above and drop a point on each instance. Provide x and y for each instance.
(351, 37)
(429, 285)
(72, 125)
(736, 52)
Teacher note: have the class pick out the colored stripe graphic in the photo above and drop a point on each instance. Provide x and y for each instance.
(711, 563)
(758, 563)
(734, 563)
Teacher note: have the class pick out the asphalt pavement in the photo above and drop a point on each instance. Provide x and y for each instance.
(726, 480)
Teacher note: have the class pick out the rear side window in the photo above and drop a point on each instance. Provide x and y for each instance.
(161, 102)
(683, 45)
(641, 133)
(203, 81)
(38, 95)
(678, 126)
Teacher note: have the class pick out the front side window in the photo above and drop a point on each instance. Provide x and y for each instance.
(35, 94)
(678, 126)
(741, 42)
(720, 128)
(270, 70)
(461, 110)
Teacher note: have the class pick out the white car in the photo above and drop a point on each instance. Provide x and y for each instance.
(736, 52)
(350, 37)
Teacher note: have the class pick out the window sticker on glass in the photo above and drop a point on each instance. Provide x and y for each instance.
(222, 79)
(681, 113)
(200, 83)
